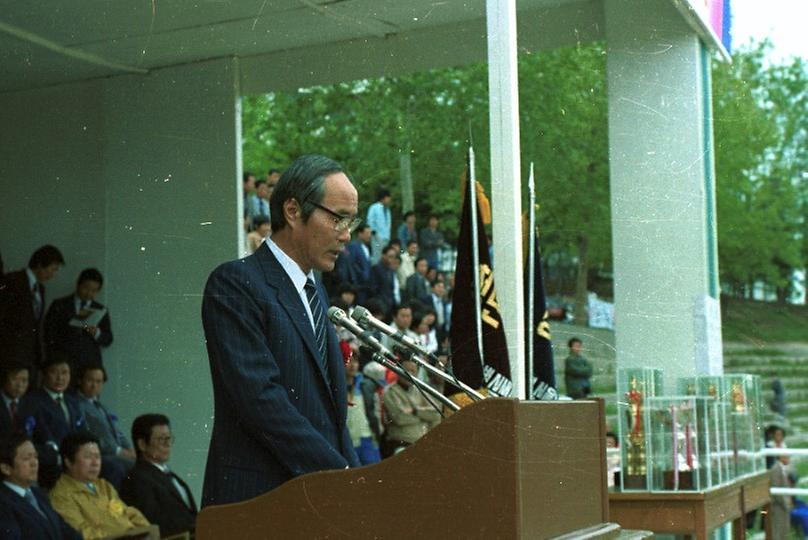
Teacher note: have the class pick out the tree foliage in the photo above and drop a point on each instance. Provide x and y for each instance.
(760, 130)
(761, 124)
(366, 124)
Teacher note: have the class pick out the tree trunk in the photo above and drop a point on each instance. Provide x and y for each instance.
(407, 197)
(581, 293)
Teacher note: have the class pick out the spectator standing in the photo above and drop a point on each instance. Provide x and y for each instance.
(80, 344)
(248, 189)
(781, 505)
(359, 249)
(408, 258)
(778, 402)
(380, 222)
(88, 503)
(402, 320)
(117, 455)
(151, 487)
(384, 282)
(417, 287)
(431, 241)
(406, 232)
(273, 175)
(261, 231)
(408, 415)
(577, 371)
(22, 307)
(259, 203)
(436, 301)
(25, 512)
(360, 415)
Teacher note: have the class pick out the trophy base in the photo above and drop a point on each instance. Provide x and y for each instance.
(634, 481)
(685, 480)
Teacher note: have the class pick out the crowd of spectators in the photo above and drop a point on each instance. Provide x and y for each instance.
(63, 450)
(64, 458)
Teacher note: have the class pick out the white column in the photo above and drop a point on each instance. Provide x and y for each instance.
(503, 87)
(662, 191)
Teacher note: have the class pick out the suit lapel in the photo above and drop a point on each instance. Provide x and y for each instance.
(50, 516)
(290, 301)
(26, 507)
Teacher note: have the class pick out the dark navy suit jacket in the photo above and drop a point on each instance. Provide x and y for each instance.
(360, 265)
(82, 348)
(20, 520)
(52, 425)
(20, 338)
(278, 414)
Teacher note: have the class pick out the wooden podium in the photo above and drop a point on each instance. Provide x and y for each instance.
(499, 468)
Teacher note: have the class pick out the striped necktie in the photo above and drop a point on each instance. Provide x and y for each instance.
(319, 323)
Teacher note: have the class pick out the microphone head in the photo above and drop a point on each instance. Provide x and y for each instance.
(335, 314)
(360, 314)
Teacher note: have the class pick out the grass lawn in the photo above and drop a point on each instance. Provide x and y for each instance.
(763, 323)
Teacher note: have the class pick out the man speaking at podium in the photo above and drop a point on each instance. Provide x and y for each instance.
(280, 400)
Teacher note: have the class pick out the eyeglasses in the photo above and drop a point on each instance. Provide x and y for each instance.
(341, 223)
(165, 440)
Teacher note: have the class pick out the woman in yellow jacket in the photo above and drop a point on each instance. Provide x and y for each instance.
(89, 503)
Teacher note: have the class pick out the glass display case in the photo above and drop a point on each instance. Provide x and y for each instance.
(742, 398)
(721, 457)
(684, 445)
(635, 386)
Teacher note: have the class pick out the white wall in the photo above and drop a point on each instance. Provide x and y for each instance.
(51, 183)
(170, 162)
(138, 176)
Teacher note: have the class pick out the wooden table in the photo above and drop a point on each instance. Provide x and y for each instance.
(693, 513)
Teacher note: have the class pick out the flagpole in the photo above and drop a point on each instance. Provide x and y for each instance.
(475, 251)
(531, 282)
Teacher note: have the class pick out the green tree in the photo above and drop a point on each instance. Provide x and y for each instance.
(760, 129)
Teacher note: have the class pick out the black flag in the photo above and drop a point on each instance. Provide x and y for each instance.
(543, 383)
(493, 371)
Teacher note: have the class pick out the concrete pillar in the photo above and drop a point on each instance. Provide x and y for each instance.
(662, 191)
(506, 192)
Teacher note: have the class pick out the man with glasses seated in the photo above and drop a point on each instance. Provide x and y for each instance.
(280, 402)
(151, 487)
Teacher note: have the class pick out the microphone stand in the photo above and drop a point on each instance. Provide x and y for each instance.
(361, 316)
(386, 358)
(401, 372)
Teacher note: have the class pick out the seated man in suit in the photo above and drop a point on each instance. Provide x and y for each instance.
(280, 401)
(81, 344)
(16, 413)
(117, 455)
(24, 508)
(162, 496)
(57, 413)
(88, 503)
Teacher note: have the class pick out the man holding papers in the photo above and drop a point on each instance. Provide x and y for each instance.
(79, 326)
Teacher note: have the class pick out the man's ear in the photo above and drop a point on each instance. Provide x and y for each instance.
(292, 211)
(141, 445)
(5, 469)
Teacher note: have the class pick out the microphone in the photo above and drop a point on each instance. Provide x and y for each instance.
(364, 318)
(338, 316)
(383, 354)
